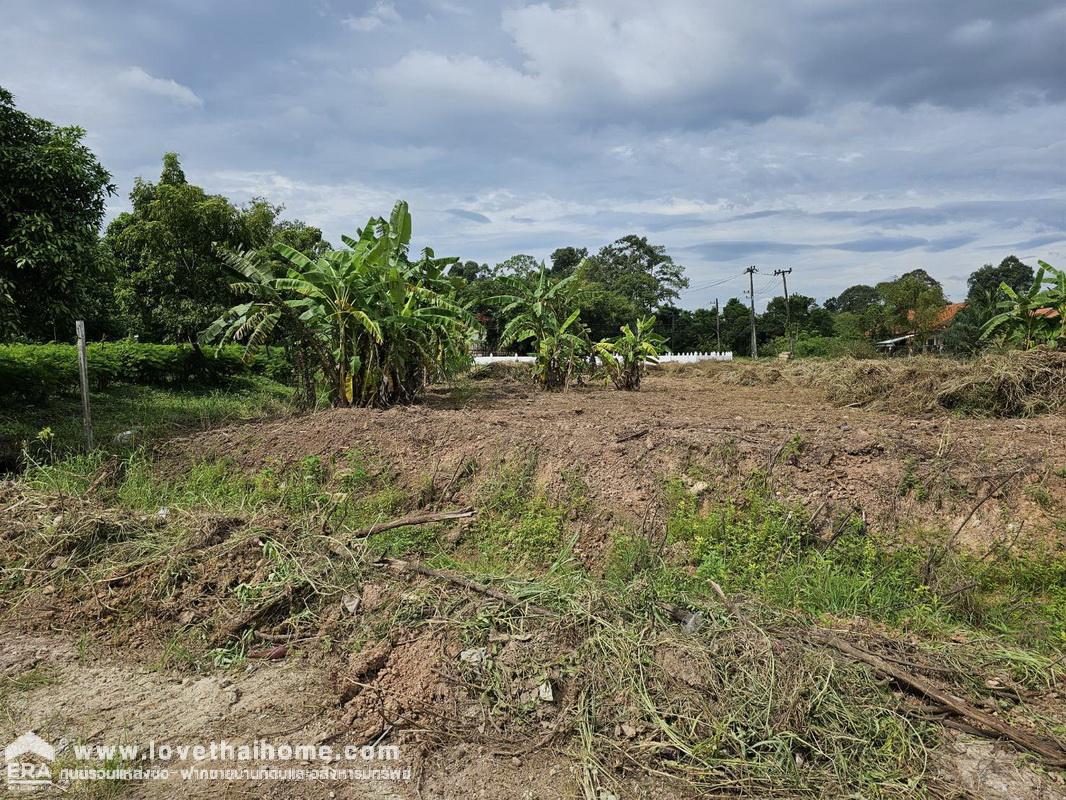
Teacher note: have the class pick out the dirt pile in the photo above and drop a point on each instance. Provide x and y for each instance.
(621, 446)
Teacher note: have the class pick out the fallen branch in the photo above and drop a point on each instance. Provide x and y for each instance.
(399, 565)
(986, 724)
(632, 436)
(411, 519)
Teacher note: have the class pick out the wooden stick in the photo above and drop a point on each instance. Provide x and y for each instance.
(1052, 751)
(83, 374)
(399, 565)
(412, 519)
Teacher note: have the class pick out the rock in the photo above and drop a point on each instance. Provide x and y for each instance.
(351, 602)
(545, 693)
(474, 655)
(126, 437)
(698, 488)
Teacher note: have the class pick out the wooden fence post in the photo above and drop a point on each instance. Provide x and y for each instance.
(83, 370)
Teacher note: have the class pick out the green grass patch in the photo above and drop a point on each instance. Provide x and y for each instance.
(149, 412)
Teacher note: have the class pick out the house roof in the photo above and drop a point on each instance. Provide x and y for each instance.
(943, 317)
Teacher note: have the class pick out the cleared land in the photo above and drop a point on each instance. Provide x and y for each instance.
(654, 595)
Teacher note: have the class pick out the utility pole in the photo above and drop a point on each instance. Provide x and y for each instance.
(788, 313)
(717, 326)
(751, 283)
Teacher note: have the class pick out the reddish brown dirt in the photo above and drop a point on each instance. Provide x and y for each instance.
(897, 472)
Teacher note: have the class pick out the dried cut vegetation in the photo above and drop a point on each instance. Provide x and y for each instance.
(724, 640)
(1015, 384)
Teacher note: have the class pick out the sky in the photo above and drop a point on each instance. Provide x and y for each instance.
(848, 140)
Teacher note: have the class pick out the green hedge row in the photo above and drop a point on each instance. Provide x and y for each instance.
(36, 371)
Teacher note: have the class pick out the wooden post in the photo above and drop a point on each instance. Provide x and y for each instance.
(83, 370)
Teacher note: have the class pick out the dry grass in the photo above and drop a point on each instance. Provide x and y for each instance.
(1014, 384)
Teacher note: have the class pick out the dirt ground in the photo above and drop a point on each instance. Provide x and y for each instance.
(894, 471)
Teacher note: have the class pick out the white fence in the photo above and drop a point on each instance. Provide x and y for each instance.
(669, 358)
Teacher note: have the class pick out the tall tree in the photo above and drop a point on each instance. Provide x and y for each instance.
(641, 272)
(566, 259)
(913, 302)
(987, 279)
(171, 281)
(855, 299)
(52, 195)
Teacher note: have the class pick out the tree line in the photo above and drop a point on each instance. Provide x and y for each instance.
(164, 271)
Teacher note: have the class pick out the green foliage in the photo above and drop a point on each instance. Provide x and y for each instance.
(640, 272)
(52, 194)
(987, 279)
(565, 260)
(913, 302)
(545, 312)
(171, 281)
(854, 300)
(380, 325)
(625, 358)
(33, 373)
(803, 314)
(753, 543)
(809, 345)
(50, 428)
(1034, 316)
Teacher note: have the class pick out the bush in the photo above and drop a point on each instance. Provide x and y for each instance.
(34, 372)
(808, 346)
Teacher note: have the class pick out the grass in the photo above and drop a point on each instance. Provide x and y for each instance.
(754, 544)
(147, 411)
(741, 701)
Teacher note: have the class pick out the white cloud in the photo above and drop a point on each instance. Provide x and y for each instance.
(383, 13)
(136, 78)
(444, 80)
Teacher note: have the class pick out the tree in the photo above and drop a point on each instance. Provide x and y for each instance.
(381, 326)
(52, 195)
(913, 303)
(805, 314)
(171, 280)
(566, 259)
(521, 265)
(988, 279)
(641, 272)
(854, 300)
(736, 327)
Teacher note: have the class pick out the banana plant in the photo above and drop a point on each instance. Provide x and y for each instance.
(1020, 318)
(389, 325)
(625, 359)
(545, 311)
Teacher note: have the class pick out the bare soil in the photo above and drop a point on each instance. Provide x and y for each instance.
(897, 472)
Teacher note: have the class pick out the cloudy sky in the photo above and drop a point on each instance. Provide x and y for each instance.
(848, 139)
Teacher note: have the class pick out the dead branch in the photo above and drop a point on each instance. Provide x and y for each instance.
(632, 436)
(411, 519)
(399, 565)
(988, 725)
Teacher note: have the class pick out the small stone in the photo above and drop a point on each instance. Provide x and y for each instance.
(474, 655)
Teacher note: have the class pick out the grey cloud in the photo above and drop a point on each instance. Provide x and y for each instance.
(473, 216)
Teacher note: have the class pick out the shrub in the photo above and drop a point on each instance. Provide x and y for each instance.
(33, 372)
(808, 346)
